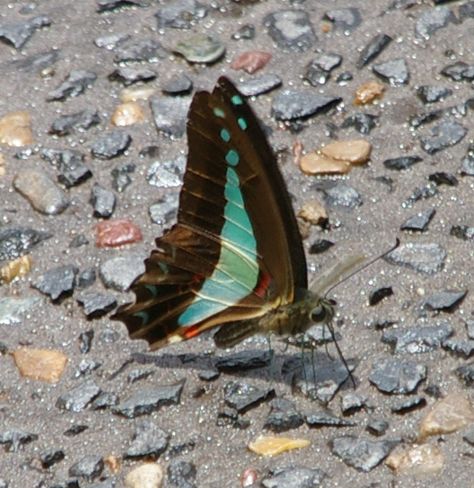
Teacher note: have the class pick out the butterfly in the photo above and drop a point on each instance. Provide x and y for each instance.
(234, 258)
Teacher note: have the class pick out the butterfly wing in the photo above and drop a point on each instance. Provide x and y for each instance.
(235, 252)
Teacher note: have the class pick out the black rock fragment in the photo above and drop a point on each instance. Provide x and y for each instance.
(57, 282)
(319, 69)
(128, 76)
(14, 438)
(70, 166)
(85, 341)
(181, 474)
(378, 295)
(394, 72)
(111, 144)
(78, 397)
(148, 440)
(110, 5)
(419, 222)
(121, 176)
(463, 232)
(320, 246)
(374, 47)
(103, 201)
(96, 304)
(78, 121)
(243, 396)
(244, 360)
(404, 406)
(466, 373)
(180, 14)
(396, 375)
(446, 300)
(432, 20)
(75, 83)
(362, 122)
(342, 195)
(86, 278)
(459, 71)
(18, 34)
(283, 416)
(50, 458)
(443, 178)
(89, 467)
(377, 427)
(17, 241)
(403, 162)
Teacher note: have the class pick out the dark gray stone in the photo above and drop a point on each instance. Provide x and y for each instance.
(395, 375)
(319, 70)
(425, 192)
(352, 402)
(13, 308)
(283, 416)
(137, 51)
(446, 300)
(466, 373)
(372, 50)
(320, 246)
(120, 272)
(459, 71)
(167, 174)
(201, 48)
(148, 440)
(466, 11)
(432, 20)
(110, 5)
(18, 34)
(96, 304)
(443, 178)
(75, 83)
(103, 201)
(379, 294)
(85, 341)
(407, 405)
(428, 258)
(36, 62)
(147, 400)
(181, 474)
(78, 121)
(78, 397)
(14, 438)
(57, 282)
(139, 374)
(245, 32)
(243, 360)
(70, 166)
(342, 195)
(423, 118)
(180, 14)
(346, 19)
(446, 134)
(362, 123)
(89, 467)
(179, 84)
(170, 114)
(259, 84)
(128, 75)
(432, 94)
(459, 347)
(462, 232)
(165, 210)
(111, 144)
(362, 454)
(291, 30)
(105, 399)
(377, 427)
(121, 176)
(17, 241)
(86, 367)
(325, 418)
(420, 221)
(295, 104)
(243, 396)
(395, 72)
(293, 477)
(51, 458)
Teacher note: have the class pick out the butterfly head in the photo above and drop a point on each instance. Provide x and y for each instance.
(323, 311)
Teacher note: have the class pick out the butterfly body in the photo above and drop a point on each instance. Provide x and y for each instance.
(235, 256)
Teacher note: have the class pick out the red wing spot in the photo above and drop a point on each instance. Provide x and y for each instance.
(192, 331)
(262, 285)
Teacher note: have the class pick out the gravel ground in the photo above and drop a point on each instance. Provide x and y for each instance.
(132, 404)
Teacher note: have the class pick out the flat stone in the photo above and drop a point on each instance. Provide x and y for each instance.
(149, 50)
(355, 151)
(291, 30)
(18, 241)
(459, 347)
(251, 61)
(170, 114)
(416, 340)
(372, 49)
(78, 121)
(295, 104)
(446, 300)
(179, 84)
(433, 94)
(13, 438)
(75, 83)
(115, 233)
(57, 282)
(459, 71)
(428, 258)
(325, 418)
(128, 75)
(148, 440)
(403, 162)
(12, 309)
(19, 33)
(105, 399)
(165, 210)
(420, 221)
(149, 475)
(201, 48)
(243, 396)
(352, 402)
(446, 134)
(111, 5)
(293, 477)
(78, 397)
(432, 20)
(318, 71)
(120, 272)
(180, 14)
(463, 232)
(346, 19)
(40, 364)
(342, 195)
(103, 201)
(377, 427)
(395, 72)
(466, 373)
(147, 400)
(362, 122)
(259, 85)
(96, 304)
(121, 176)
(243, 360)
(283, 416)
(167, 174)
(111, 41)
(181, 473)
(111, 144)
(395, 375)
(246, 32)
(70, 166)
(89, 467)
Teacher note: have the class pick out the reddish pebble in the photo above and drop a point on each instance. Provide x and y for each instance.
(251, 61)
(113, 233)
(249, 477)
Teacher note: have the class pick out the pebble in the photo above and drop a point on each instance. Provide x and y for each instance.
(446, 134)
(293, 477)
(96, 304)
(121, 176)
(462, 348)
(104, 400)
(149, 475)
(443, 178)
(89, 467)
(15, 269)
(200, 48)
(40, 364)
(12, 309)
(419, 222)
(291, 30)
(462, 232)
(459, 71)
(57, 282)
(75, 83)
(466, 374)
(180, 14)
(170, 114)
(51, 458)
(466, 11)
(377, 427)
(85, 341)
(181, 474)
(70, 166)
(427, 257)
(246, 32)
(103, 201)
(15, 129)
(355, 151)
(137, 93)
(273, 445)
(368, 93)
(14, 438)
(283, 416)
(78, 121)
(318, 71)
(110, 5)
(362, 123)
(166, 174)
(79, 397)
(379, 294)
(448, 415)
(17, 241)
(294, 104)
(259, 85)
(425, 192)
(423, 118)
(352, 402)
(148, 440)
(111, 41)
(345, 19)
(111, 144)
(362, 454)
(432, 20)
(325, 418)
(147, 400)
(342, 195)
(120, 272)
(396, 375)
(243, 360)
(165, 210)
(115, 233)
(320, 246)
(251, 61)
(395, 72)
(179, 84)
(127, 114)
(373, 49)
(446, 300)
(313, 212)
(416, 461)
(404, 406)
(243, 396)
(433, 94)
(144, 50)
(19, 33)
(128, 76)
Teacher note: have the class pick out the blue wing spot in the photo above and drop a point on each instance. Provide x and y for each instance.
(152, 289)
(232, 157)
(236, 100)
(218, 112)
(143, 316)
(242, 123)
(225, 135)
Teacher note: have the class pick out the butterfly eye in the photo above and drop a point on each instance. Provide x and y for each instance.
(318, 314)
